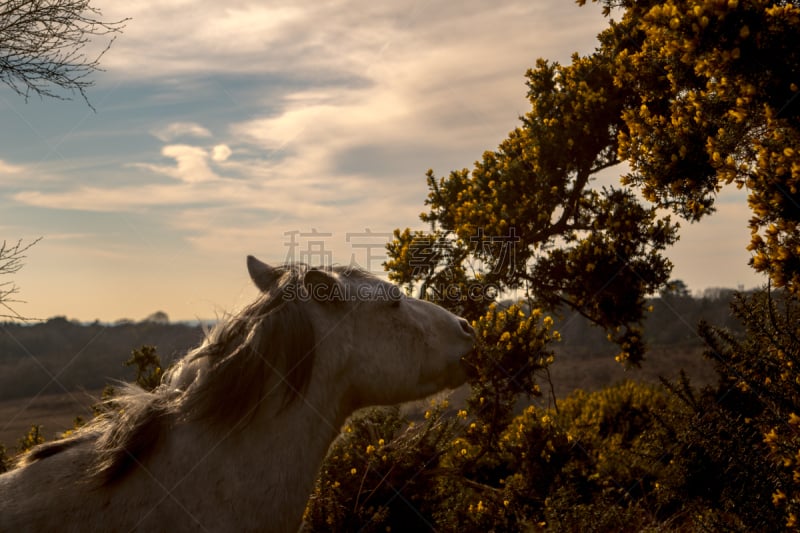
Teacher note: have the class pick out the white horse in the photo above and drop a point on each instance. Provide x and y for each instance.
(234, 436)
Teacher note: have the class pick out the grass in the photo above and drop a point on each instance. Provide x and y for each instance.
(54, 412)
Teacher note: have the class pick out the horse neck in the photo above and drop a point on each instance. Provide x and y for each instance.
(268, 467)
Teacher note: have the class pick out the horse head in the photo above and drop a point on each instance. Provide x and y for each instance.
(381, 345)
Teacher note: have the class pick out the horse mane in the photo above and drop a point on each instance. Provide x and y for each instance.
(265, 349)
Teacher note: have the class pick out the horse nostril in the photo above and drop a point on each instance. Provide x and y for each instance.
(466, 328)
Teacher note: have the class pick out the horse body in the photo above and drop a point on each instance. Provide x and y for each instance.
(233, 438)
(194, 482)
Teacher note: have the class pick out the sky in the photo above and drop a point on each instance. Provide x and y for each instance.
(287, 130)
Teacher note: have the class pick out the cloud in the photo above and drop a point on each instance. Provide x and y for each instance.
(194, 183)
(43, 174)
(192, 164)
(325, 40)
(432, 87)
(363, 98)
(220, 153)
(353, 89)
(85, 198)
(175, 130)
(339, 111)
(8, 170)
(173, 39)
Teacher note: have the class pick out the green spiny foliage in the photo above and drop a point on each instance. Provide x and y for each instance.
(5, 460)
(545, 470)
(31, 439)
(148, 376)
(148, 367)
(756, 409)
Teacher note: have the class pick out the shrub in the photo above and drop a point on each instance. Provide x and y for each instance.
(589, 463)
(750, 424)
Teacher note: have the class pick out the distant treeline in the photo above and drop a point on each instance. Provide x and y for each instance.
(672, 321)
(61, 355)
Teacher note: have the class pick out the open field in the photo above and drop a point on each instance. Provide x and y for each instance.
(579, 369)
(54, 412)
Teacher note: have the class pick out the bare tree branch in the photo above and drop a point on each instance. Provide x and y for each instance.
(11, 261)
(43, 46)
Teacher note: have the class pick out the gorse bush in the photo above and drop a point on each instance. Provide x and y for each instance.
(31, 439)
(375, 474)
(148, 366)
(692, 96)
(487, 466)
(515, 348)
(759, 398)
(388, 472)
(630, 457)
(5, 460)
(585, 466)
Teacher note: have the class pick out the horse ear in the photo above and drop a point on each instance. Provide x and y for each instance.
(321, 285)
(263, 275)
